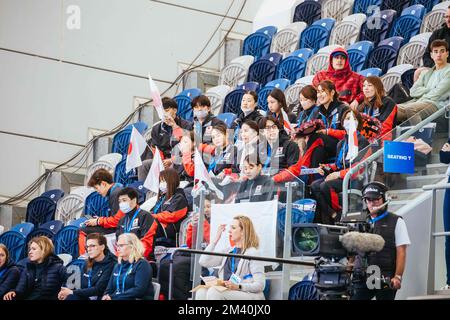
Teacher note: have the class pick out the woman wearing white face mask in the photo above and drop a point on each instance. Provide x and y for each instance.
(326, 190)
(249, 110)
(171, 207)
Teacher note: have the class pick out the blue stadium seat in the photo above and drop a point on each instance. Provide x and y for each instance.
(258, 43)
(121, 141)
(281, 84)
(121, 176)
(408, 24)
(408, 78)
(23, 228)
(384, 56)
(249, 86)
(264, 69)
(293, 66)
(358, 53)
(303, 290)
(317, 35)
(397, 5)
(66, 241)
(140, 126)
(302, 212)
(15, 242)
(40, 210)
(184, 100)
(377, 26)
(376, 72)
(96, 205)
(142, 191)
(78, 222)
(232, 102)
(227, 117)
(428, 4)
(361, 6)
(308, 11)
(54, 194)
(48, 229)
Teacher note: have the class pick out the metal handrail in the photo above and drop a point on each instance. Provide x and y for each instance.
(241, 256)
(379, 152)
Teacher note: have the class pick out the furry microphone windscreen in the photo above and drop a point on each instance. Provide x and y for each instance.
(362, 242)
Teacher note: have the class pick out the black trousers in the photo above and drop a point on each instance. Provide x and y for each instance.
(326, 193)
(380, 294)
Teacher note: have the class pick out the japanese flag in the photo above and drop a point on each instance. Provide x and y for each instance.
(154, 93)
(152, 180)
(352, 139)
(136, 148)
(287, 125)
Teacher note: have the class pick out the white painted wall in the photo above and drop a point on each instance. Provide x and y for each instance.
(49, 84)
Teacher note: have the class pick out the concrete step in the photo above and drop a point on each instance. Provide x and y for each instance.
(406, 194)
(413, 182)
(436, 168)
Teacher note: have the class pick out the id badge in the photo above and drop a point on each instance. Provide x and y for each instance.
(235, 279)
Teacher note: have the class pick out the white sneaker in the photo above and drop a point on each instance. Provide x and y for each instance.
(446, 287)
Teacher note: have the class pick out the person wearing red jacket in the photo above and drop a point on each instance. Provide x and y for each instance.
(349, 84)
(376, 104)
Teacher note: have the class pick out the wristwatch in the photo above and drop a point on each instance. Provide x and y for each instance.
(399, 277)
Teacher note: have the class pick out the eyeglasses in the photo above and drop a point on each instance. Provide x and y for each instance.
(272, 127)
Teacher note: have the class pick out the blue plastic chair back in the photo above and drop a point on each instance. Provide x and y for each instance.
(303, 290)
(96, 205)
(377, 26)
(54, 194)
(384, 56)
(376, 72)
(15, 242)
(66, 241)
(408, 24)
(358, 54)
(232, 101)
(52, 226)
(140, 126)
(317, 35)
(121, 141)
(78, 222)
(362, 6)
(264, 92)
(293, 67)
(302, 212)
(142, 191)
(281, 84)
(249, 86)
(23, 228)
(397, 5)
(228, 118)
(308, 11)
(264, 69)
(121, 176)
(407, 78)
(184, 100)
(258, 43)
(40, 210)
(428, 4)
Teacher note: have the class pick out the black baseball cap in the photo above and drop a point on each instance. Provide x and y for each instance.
(374, 190)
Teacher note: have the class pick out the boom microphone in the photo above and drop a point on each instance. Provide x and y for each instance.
(357, 242)
(382, 206)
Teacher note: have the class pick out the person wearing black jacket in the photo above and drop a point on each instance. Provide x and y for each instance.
(131, 278)
(9, 273)
(276, 102)
(255, 187)
(326, 191)
(224, 159)
(204, 120)
(308, 100)
(95, 273)
(249, 110)
(278, 151)
(43, 275)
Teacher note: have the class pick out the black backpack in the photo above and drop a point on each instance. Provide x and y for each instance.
(399, 93)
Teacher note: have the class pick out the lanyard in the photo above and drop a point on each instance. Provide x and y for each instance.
(89, 278)
(159, 204)
(342, 152)
(378, 218)
(130, 223)
(213, 164)
(232, 260)
(123, 280)
(269, 154)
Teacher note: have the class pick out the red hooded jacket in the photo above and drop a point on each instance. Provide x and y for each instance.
(349, 84)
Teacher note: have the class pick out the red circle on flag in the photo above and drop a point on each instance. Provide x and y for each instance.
(130, 147)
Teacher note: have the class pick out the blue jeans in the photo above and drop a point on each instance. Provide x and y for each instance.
(447, 229)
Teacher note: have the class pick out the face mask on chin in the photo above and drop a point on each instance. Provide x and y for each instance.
(306, 104)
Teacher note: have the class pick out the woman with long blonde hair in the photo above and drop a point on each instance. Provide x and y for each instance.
(244, 279)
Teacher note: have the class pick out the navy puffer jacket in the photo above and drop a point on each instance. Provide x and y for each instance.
(9, 276)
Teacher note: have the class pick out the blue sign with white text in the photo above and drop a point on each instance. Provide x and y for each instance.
(398, 157)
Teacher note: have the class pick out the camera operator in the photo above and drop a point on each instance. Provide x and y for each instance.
(391, 259)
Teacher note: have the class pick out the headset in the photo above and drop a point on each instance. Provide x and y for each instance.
(383, 189)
